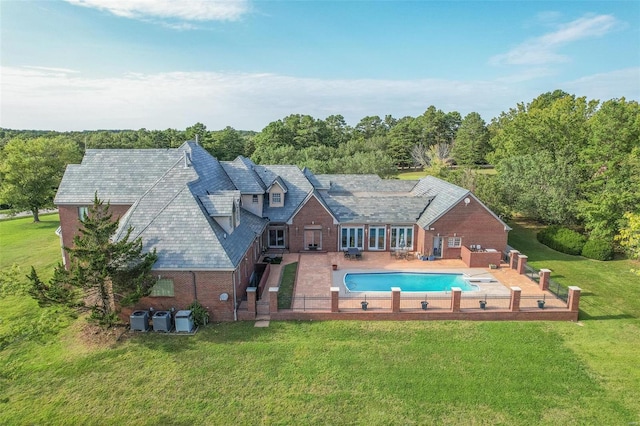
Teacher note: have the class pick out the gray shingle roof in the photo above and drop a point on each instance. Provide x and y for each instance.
(297, 186)
(354, 184)
(219, 203)
(171, 214)
(444, 196)
(243, 176)
(118, 175)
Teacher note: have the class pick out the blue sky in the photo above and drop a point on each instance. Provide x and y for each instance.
(113, 64)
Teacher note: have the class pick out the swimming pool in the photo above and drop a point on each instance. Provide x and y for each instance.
(407, 281)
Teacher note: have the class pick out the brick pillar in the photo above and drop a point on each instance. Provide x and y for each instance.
(522, 260)
(335, 298)
(574, 298)
(273, 299)
(395, 299)
(456, 294)
(544, 279)
(251, 299)
(516, 292)
(513, 259)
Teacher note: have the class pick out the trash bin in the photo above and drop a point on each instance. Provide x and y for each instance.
(139, 320)
(184, 321)
(162, 321)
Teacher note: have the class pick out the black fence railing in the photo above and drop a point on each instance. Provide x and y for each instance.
(559, 291)
(307, 303)
(532, 273)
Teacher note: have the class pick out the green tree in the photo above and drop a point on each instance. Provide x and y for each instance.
(31, 170)
(113, 271)
(540, 186)
(228, 144)
(472, 141)
(558, 127)
(629, 236)
(611, 161)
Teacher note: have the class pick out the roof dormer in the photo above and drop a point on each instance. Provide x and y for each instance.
(277, 191)
(224, 208)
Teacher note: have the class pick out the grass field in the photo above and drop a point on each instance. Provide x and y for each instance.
(27, 244)
(343, 372)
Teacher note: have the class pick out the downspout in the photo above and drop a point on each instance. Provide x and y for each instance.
(195, 288)
(235, 305)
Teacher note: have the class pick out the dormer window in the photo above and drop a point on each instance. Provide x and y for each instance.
(277, 191)
(254, 199)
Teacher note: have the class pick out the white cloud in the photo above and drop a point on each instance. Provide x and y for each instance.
(543, 50)
(183, 10)
(604, 86)
(36, 98)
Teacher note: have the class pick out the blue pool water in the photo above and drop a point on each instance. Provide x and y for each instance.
(407, 281)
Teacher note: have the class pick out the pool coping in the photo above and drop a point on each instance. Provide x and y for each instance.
(494, 288)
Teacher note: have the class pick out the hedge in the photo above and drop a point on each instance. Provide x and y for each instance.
(564, 240)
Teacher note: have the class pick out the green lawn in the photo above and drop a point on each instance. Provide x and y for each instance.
(347, 372)
(27, 244)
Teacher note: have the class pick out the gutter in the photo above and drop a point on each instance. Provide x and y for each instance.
(235, 305)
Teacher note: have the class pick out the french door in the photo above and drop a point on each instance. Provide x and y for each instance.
(377, 237)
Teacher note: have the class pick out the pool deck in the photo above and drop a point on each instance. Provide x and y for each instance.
(316, 277)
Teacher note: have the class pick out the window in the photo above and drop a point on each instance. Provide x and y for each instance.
(455, 242)
(401, 237)
(377, 237)
(254, 199)
(276, 198)
(83, 212)
(352, 238)
(162, 288)
(276, 237)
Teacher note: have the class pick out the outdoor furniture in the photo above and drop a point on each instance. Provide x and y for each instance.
(354, 253)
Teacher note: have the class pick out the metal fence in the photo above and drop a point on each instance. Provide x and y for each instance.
(367, 303)
(559, 291)
(414, 303)
(485, 301)
(532, 273)
(304, 303)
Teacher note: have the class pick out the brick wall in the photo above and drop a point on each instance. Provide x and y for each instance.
(312, 214)
(70, 221)
(472, 222)
(206, 286)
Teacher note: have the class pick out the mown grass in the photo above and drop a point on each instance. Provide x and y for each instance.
(347, 372)
(27, 244)
(287, 281)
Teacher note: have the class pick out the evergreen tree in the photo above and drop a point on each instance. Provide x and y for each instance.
(112, 271)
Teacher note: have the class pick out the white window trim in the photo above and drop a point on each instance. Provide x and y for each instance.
(454, 242)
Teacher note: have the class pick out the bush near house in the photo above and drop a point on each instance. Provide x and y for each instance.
(562, 239)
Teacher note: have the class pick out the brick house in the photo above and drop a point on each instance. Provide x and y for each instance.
(210, 221)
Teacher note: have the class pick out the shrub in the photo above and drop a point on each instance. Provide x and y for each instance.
(564, 240)
(200, 314)
(598, 249)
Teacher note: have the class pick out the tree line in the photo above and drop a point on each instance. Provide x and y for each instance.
(559, 159)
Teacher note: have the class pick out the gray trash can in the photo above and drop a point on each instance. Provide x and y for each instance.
(139, 320)
(162, 321)
(184, 321)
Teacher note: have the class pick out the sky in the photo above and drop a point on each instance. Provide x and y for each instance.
(118, 64)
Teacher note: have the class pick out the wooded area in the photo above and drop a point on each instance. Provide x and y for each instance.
(559, 159)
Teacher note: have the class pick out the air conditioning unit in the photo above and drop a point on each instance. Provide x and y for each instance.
(139, 321)
(162, 321)
(184, 321)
